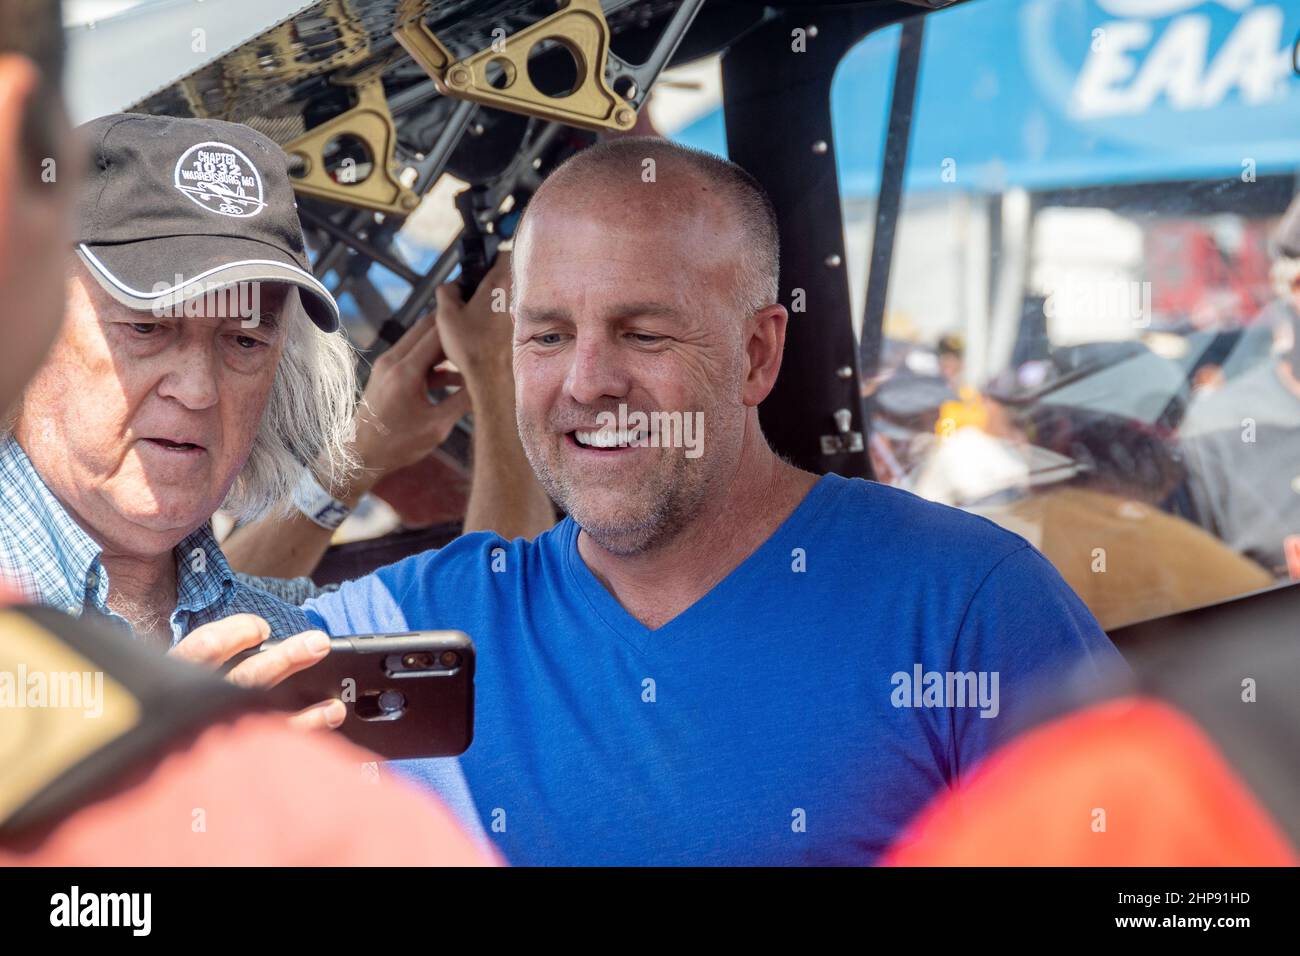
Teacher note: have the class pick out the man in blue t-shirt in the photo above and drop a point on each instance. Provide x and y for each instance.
(716, 658)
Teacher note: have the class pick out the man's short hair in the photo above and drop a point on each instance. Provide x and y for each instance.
(34, 29)
(624, 157)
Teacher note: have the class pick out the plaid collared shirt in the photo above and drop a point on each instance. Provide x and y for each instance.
(53, 561)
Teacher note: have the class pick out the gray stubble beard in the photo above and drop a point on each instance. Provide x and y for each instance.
(674, 503)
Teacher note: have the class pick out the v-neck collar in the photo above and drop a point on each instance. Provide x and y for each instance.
(606, 608)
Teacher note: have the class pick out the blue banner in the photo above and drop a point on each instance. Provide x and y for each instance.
(1048, 93)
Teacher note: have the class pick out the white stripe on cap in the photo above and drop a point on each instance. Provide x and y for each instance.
(104, 270)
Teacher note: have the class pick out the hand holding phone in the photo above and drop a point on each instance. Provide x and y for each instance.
(407, 695)
(231, 645)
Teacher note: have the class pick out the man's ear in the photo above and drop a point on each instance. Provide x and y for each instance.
(764, 348)
(18, 81)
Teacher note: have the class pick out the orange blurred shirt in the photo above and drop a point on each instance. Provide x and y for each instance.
(1128, 782)
(252, 791)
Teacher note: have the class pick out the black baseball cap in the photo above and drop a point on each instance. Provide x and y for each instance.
(174, 208)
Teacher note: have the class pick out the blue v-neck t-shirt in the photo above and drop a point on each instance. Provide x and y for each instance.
(801, 712)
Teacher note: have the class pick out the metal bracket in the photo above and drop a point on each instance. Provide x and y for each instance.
(370, 123)
(420, 42)
(635, 79)
(847, 440)
(192, 98)
(272, 57)
(579, 26)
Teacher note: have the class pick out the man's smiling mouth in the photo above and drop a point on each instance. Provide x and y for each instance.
(606, 439)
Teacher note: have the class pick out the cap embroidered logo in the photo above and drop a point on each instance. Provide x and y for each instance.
(221, 179)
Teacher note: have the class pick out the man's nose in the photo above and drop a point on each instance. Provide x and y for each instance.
(192, 377)
(595, 372)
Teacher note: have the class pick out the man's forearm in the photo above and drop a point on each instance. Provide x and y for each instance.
(504, 495)
(284, 546)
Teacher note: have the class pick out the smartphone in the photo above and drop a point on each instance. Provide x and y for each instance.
(407, 695)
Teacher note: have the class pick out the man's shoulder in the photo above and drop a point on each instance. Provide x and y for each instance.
(285, 619)
(892, 518)
(470, 555)
(465, 572)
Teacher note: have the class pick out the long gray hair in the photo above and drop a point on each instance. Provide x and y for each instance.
(309, 419)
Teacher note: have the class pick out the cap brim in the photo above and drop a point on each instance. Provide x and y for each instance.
(161, 274)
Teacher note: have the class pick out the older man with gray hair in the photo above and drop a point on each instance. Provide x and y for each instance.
(199, 365)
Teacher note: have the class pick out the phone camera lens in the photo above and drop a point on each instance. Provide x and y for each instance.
(417, 661)
(391, 701)
(449, 659)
